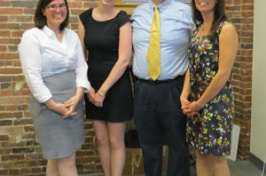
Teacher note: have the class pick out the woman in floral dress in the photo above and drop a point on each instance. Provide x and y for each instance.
(207, 96)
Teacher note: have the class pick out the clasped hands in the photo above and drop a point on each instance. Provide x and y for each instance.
(96, 98)
(190, 108)
(65, 109)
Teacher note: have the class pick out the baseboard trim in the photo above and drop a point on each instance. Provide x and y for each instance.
(256, 161)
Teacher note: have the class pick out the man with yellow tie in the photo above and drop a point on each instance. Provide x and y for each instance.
(161, 35)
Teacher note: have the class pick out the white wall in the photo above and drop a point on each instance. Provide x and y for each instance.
(258, 114)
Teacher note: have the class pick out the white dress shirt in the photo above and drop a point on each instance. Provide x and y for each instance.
(42, 55)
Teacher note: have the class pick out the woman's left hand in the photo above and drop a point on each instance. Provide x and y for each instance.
(71, 105)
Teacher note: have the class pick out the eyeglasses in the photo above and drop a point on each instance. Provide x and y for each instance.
(53, 7)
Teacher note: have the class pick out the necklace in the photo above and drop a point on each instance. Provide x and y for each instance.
(202, 28)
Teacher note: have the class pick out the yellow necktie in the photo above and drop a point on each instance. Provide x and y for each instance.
(154, 52)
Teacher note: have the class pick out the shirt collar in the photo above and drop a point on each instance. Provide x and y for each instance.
(161, 6)
(49, 31)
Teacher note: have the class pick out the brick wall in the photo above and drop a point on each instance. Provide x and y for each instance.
(19, 149)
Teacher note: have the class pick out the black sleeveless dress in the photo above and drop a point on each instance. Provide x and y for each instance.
(102, 41)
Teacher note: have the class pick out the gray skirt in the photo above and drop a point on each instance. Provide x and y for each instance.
(58, 137)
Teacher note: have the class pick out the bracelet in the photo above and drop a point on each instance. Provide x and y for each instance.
(102, 95)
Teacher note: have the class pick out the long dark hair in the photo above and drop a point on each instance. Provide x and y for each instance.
(40, 20)
(219, 15)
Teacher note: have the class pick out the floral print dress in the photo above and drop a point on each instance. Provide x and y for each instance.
(209, 131)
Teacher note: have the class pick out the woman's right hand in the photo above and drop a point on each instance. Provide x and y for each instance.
(184, 104)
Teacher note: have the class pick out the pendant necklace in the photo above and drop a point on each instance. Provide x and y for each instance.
(202, 28)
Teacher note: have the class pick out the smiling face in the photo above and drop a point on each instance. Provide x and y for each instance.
(56, 13)
(205, 5)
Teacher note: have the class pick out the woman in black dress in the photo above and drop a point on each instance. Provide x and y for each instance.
(105, 33)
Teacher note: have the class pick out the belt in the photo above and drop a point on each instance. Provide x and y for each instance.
(159, 81)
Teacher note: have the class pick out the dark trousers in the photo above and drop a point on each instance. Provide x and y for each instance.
(157, 114)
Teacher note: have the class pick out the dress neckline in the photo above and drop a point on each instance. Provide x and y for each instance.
(105, 20)
(200, 36)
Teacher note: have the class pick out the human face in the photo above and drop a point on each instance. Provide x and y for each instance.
(56, 13)
(205, 5)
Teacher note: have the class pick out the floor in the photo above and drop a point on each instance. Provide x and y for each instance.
(237, 168)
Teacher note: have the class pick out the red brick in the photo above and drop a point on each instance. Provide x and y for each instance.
(24, 171)
(6, 63)
(247, 1)
(12, 48)
(247, 20)
(21, 18)
(4, 137)
(18, 78)
(37, 170)
(25, 4)
(16, 63)
(10, 71)
(74, 27)
(14, 171)
(29, 163)
(233, 8)
(3, 172)
(26, 26)
(11, 108)
(10, 130)
(237, 2)
(3, 19)
(247, 7)
(23, 122)
(29, 136)
(88, 5)
(33, 156)
(29, 128)
(5, 78)
(9, 41)
(4, 151)
(7, 11)
(246, 52)
(26, 114)
(246, 33)
(247, 27)
(247, 13)
(3, 48)
(12, 157)
(23, 92)
(74, 4)
(246, 40)
(9, 26)
(5, 3)
(4, 33)
(17, 33)
(5, 164)
(29, 11)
